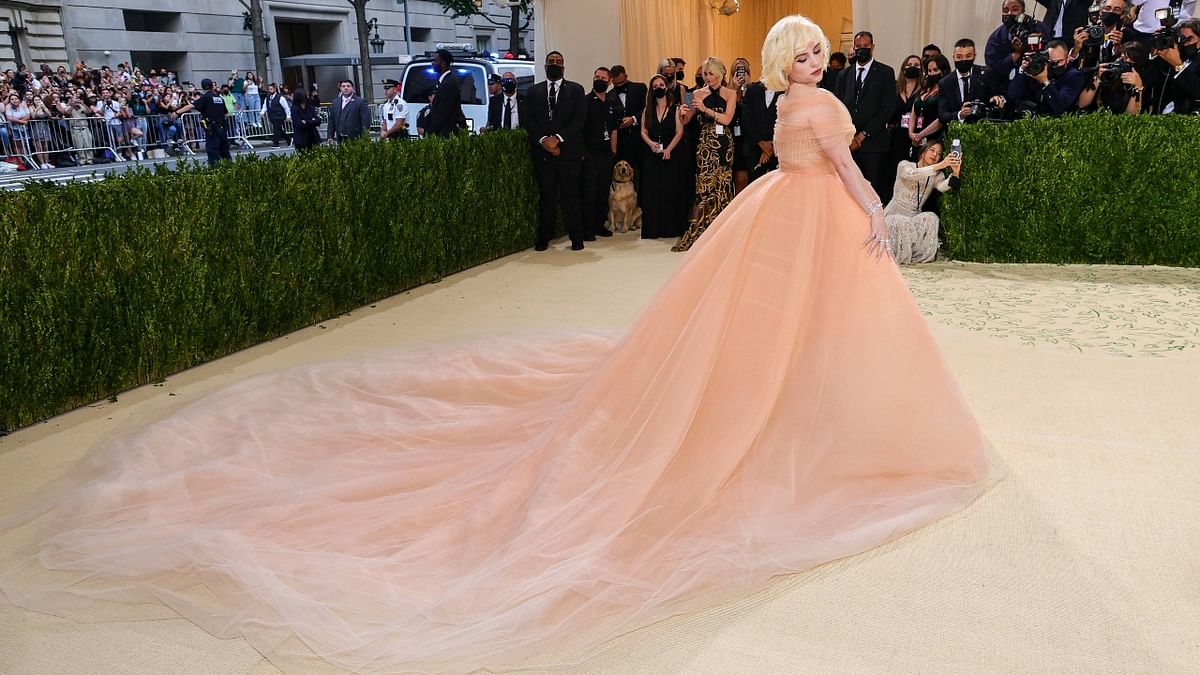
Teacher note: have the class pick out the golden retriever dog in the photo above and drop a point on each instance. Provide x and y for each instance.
(623, 212)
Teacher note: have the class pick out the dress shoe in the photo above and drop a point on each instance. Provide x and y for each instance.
(577, 246)
(589, 238)
(603, 233)
(541, 246)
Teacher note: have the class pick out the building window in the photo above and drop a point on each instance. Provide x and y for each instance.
(422, 34)
(483, 44)
(151, 22)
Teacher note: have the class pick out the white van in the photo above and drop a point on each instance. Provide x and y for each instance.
(472, 71)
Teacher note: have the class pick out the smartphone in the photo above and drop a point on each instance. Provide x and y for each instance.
(689, 97)
(956, 148)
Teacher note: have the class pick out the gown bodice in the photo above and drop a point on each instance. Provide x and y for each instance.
(806, 116)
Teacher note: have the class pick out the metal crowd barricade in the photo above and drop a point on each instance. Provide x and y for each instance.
(14, 143)
(94, 139)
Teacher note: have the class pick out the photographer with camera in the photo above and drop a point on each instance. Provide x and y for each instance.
(968, 87)
(1117, 86)
(1097, 42)
(77, 112)
(1046, 84)
(1015, 28)
(1177, 68)
(1148, 22)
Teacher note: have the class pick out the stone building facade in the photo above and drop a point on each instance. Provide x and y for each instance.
(208, 38)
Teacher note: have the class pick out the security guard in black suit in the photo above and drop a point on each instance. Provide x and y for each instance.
(215, 118)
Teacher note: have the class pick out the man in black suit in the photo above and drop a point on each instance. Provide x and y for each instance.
(506, 109)
(837, 63)
(349, 116)
(1014, 22)
(632, 96)
(603, 118)
(868, 89)
(555, 118)
(446, 113)
(1053, 91)
(1181, 71)
(759, 112)
(969, 82)
(1064, 16)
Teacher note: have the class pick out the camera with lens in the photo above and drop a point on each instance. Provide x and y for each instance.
(1023, 28)
(1038, 56)
(983, 111)
(1168, 36)
(1095, 35)
(1112, 75)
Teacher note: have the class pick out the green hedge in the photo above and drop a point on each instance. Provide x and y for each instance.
(1085, 189)
(106, 286)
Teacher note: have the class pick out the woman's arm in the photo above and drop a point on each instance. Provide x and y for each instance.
(1088, 95)
(646, 127)
(934, 127)
(838, 152)
(730, 107)
(951, 182)
(678, 136)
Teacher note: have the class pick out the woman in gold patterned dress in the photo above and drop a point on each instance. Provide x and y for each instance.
(714, 154)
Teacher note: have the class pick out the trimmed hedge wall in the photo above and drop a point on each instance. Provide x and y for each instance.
(1094, 188)
(110, 285)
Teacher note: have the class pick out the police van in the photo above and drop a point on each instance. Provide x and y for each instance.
(471, 70)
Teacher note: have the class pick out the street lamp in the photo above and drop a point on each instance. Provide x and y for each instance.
(376, 42)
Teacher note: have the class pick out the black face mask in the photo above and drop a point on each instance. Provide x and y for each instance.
(863, 54)
(1009, 21)
(599, 86)
(964, 66)
(912, 72)
(659, 92)
(933, 78)
(1110, 19)
(554, 71)
(1055, 70)
(1188, 52)
(620, 88)
(699, 81)
(508, 85)
(679, 76)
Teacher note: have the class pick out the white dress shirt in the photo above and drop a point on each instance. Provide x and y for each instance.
(287, 108)
(516, 114)
(1146, 22)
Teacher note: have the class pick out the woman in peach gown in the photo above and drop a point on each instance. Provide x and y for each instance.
(452, 508)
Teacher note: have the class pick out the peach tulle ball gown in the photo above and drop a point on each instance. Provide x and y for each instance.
(458, 507)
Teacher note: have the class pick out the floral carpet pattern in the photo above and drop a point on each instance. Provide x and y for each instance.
(1121, 310)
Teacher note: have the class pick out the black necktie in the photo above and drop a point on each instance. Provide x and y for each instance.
(553, 98)
(858, 84)
(508, 113)
(966, 92)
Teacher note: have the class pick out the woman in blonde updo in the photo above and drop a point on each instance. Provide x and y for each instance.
(779, 404)
(714, 105)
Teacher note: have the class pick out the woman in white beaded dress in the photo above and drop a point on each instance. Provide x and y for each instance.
(913, 234)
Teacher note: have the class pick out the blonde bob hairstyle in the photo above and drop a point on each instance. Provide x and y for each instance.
(715, 66)
(787, 36)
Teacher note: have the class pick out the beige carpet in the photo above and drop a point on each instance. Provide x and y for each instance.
(1085, 560)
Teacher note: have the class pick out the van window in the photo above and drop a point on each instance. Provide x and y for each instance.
(421, 78)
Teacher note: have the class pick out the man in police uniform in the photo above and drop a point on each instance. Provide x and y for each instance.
(604, 116)
(214, 117)
(393, 114)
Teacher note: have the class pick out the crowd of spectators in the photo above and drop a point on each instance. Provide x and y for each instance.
(700, 145)
(86, 115)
